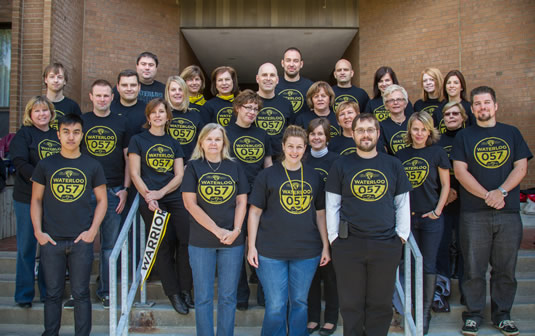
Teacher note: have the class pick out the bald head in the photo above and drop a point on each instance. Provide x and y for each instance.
(267, 80)
(343, 72)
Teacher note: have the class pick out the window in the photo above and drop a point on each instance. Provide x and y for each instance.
(5, 65)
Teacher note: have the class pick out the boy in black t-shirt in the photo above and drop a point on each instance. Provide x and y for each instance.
(65, 224)
(55, 77)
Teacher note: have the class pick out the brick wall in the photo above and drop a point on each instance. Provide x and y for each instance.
(5, 11)
(492, 42)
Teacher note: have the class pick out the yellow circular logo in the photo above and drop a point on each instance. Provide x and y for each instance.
(323, 173)
(47, 148)
(397, 142)
(381, 113)
(183, 130)
(344, 98)
(369, 185)
(194, 109)
(160, 158)
(430, 109)
(248, 149)
(100, 140)
(417, 170)
(270, 120)
(224, 115)
(295, 97)
(492, 152)
(59, 114)
(295, 197)
(68, 184)
(216, 188)
(349, 151)
(334, 131)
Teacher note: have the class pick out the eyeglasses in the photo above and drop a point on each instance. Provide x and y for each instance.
(455, 114)
(250, 108)
(361, 131)
(397, 100)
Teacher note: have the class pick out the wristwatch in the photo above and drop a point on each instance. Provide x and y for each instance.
(503, 191)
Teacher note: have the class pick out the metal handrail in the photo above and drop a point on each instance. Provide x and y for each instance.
(120, 327)
(410, 326)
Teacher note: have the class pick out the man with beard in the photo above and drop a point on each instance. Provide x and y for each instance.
(344, 90)
(490, 159)
(368, 220)
(292, 86)
(55, 78)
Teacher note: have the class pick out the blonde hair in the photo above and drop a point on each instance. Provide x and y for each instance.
(198, 152)
(38, 100)
(439, 81)
(393, 88)
(427, 121)
(453, 104)
(185, 91)
(347, 104)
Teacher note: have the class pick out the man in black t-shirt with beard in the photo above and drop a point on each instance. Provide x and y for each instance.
(490, 160)
(65, 224)
(55, 77)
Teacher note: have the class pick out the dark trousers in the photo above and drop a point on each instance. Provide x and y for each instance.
(55, 259)
(428, 233)
(174, 272)
(365, 275)
(328, 275)
(493, 237)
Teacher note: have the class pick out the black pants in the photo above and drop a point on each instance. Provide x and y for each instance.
(366, 274)
(172, 260)
(328, 275)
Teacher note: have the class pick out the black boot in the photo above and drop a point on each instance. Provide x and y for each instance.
(188, 300)
(429, 293)
(178, 304)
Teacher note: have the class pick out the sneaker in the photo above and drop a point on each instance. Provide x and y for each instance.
(69, 304)
(507, 327)
(470, 328)
(106, 302)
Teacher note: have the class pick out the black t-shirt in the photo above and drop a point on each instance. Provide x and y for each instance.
(135, 115)
(216, 195)
(342, 145)
(350, 94)
(274, 118)
(185, 128)
(249, 146)
(64, 107)
(393, 135)
(195, 107)
(28, 147)
(146, 92)
(288, 228)
(105, 139)
(377, 108)
(217, 110)
(430, 106)
(490, 153)
(421, 166)
(438, 118)
(323, 164)
(446, 142)
(69, 184)
(158, 154)
(368, 188)
(295, 92)
(306, 116)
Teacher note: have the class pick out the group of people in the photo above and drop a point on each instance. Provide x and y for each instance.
(307, 182)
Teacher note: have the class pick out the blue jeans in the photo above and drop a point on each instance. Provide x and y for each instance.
(283, 281)
(109, 232)
(494, 237)
(428, 233)
(55, 259)
(203, 265)
(26, 247)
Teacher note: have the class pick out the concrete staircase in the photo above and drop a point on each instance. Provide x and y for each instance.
(162, 319)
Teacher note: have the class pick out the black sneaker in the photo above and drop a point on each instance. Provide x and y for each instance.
(470, 328)
(69, 304)
(507, 327)
(106, 302)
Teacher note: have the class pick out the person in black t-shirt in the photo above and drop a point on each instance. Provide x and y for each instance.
(34, 141)
(55, 77)
(65, 223)
(215, 194)
(287, 235)
(194, 78)
(344, 144)
(384, 77)
(431, 81)
(156, 169)
(292, 86)
(490, 159)
(454, 91)
(224, 87)
(321, 159)
(344, 90)
(128, 105)
(368, 219)
(394, 129)
(427, 167)
(320, 99)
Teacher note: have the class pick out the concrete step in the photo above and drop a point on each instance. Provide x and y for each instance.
(525, 286)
